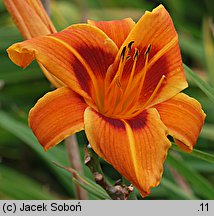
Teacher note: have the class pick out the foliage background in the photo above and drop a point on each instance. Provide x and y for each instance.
(27, 172)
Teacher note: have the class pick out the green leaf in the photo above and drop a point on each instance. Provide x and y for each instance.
(207, 132)
(191, 46)
(173, 188)
(26, 135)
(205, 87)
(208, 47)
(55, 154)
(91, 190)
(196, 153)
(14, 185)
(86, 183)
(198, 183)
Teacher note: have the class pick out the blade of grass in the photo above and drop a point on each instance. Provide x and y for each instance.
(192, 46)
(86, 183)
(207, 132)
(90, 190)
(171, 187)
(205, 87)
(18, 186)
(198, 183)
(55, 154)
(208, 47)
(25, 134)
(196, 153)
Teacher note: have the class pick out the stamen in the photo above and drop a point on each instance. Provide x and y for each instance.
(123, 53)
(120, 105)
(119, 71)
(140, 78)
(111, 90)
(136, 54)
(155, 91)
(133, 70)
(146, 62)
(148, 49)
(130, 45)
(152, 96)
(124, 57)
(111, 101)
(144, 71)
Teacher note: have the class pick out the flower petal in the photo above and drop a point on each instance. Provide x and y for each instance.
(56, 116)
(30, 17)
(184, 118)
(117, 30)
(79, 56)
(170, 66)
(164, 59)
(136, 148)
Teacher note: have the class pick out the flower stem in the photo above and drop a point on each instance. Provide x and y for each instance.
(75, 161)
(117, 191)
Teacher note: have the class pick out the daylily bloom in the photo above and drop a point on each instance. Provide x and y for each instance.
(123, 82)
(32, 21)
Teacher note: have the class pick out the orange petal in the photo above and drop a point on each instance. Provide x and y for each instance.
(30, 17)
(117, 30)
(79, 56)
(52, 79)
(170, 66)
(184, 118)
(56, 116)
(156, 29)
(136, 147)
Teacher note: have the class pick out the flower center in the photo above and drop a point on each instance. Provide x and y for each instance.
(124, 91)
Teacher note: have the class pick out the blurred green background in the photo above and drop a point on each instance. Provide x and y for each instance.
(27, 172)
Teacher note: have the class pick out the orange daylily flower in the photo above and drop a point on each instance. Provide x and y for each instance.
(32, 20)
(123, 83)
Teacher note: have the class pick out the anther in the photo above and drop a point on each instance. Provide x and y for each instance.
(130, 45)
(136, 54)
(148, 50)
(123, 52)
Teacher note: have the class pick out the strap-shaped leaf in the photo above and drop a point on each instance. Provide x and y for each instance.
(205, 87)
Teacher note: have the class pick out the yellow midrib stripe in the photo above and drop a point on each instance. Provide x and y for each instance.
(77, 55)
(133, 150)
(87, 67)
